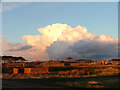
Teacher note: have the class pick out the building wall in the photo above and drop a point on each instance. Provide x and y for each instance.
(35, 70)
(15, 70)
(116, 63)
(52, 64)
(39, 70)
(27, 70)
(78, 64)
(15, 64)
(102, 62)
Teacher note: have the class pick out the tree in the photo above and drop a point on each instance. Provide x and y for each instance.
(15, 59)
(11, 58)
(21, 59)
(7, 58)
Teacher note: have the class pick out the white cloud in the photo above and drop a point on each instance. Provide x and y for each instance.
(17, 49)
(61, 40)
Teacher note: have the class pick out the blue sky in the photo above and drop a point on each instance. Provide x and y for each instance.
(24, 18)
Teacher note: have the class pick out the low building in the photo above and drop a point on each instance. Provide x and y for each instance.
(102, 62)
(15, 70)
(15, 64)
(93, 63)
(51, 64)
(84, 61)
(114, 61)
(35, 70)
(30, 70)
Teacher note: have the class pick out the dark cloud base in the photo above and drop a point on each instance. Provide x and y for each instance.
(83, 49)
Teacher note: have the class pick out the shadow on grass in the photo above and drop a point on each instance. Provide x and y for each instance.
(72, 82)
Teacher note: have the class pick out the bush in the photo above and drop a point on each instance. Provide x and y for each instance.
(92, 72)
(7, 70)
(61, 68)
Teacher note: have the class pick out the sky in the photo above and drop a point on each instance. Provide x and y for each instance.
(21, 23)
(25, 18)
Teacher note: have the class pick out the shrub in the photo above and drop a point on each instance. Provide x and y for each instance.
(7, 70)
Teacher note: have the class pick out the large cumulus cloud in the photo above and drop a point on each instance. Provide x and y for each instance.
(61, 40)
(83, 49)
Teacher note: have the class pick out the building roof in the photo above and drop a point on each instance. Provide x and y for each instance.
(114, 60)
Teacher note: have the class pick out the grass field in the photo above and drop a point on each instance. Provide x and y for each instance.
(103, 76)
(84, 82)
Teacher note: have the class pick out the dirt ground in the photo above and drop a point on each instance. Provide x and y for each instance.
(35, 83)
(19, 84)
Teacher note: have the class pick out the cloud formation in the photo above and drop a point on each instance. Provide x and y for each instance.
(61, 41)
(83, 49)
(20, 47)
(17, 49)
